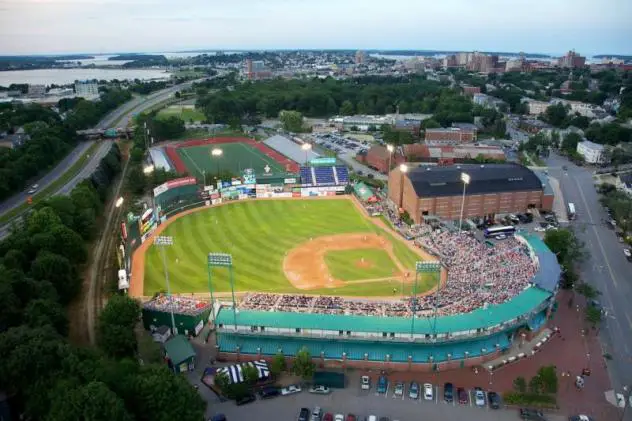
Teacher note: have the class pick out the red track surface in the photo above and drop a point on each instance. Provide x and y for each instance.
(180, 167)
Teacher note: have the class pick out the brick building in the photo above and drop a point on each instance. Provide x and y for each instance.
(450, 136)
(493, 189)
(377, 157)
(418, 152)
(471, 90)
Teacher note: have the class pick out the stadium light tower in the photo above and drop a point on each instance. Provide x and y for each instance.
(390, 148)
(148, 169)
(465, 178)
(306, 147)
(119, 202)
(163, 241)
(216, 153)
(403, 170)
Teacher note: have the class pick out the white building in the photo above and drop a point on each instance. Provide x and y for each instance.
(592, 153)
(86, 89)
(582, 108)
(536, 107)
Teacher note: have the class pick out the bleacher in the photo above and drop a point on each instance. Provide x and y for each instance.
(306, 176)
(324, 176)
(343, 174)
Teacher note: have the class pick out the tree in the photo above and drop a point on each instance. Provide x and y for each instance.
(93, 401)
(292, 120)
(116, 326)
(587, 290)
(520, 384)
(535, 385)
(136, 179)
(251, 375)
(59, 271)
(42, 312)
(278, 364)
(593, 315)
(556, 114)
(547, 379)
(158, 395)
(346, 108)
(565, 245)
(303, 365)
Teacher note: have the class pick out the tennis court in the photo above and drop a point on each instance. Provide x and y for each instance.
(234, 158)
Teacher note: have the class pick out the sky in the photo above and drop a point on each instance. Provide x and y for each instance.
(107, 26)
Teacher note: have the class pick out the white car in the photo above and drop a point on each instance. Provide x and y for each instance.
(339, 417)
(428, 392)
(320, 390)
(291, 389)
(479, 397)
(399, 389)
(539, 229)
(366, 383)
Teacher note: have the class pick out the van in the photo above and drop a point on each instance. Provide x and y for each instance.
(382, 384)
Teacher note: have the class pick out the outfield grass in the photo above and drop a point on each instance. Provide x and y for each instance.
(258, 234)
(53, 187)
(235, 157)
(346, 265)
(184, 113)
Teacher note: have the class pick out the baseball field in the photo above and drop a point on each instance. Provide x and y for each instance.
(313, 246)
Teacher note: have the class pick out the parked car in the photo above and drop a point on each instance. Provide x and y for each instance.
(479, 396)
(463, 397)
(399, 389)
(428, 392)
(33, 188)
(245, 399)
(413, 390)
(628, 254)
(303, 415)
(351, 417)
(494, 400)
(269, 392)
(448, 392)
(385, 419)
(366, 383)
(291, 389)
(317, 413)
(328, 417)
(382, 384)
(320, 390)
(580, 418)
(339, 417)
(531, 414)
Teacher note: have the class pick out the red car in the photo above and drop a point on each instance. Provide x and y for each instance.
(463, 397)
(351, 417)
(328, 417)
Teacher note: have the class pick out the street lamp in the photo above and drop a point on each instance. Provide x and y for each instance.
(163, 241)
(390, 149)
(465, 178)
(119, 202)
(217, 152)
(306, 147)
(403, 170)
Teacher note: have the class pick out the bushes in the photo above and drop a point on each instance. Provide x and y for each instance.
(530, 399)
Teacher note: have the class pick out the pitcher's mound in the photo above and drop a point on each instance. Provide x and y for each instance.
(364, 264)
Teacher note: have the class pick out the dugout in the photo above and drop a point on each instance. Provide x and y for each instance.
(180, 354)
(330, 379)
(189, 314)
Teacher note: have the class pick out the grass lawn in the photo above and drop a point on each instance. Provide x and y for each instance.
(235, 157)
(185, 113)
(351, 265)
(258, 234)
(53, 187)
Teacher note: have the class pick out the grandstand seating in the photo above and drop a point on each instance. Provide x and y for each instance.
(324, 176)
(343, 174)
(306, 176)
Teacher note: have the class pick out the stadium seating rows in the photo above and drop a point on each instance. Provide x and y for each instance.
(324, 176)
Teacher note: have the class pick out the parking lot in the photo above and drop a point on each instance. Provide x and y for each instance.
(362, 403)
(340, 144)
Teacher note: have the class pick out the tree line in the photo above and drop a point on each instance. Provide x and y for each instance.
(326, 97)
(44, 375)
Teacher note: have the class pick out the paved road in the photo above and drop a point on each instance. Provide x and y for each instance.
(606, 267)
(362, 404)
(119, 117)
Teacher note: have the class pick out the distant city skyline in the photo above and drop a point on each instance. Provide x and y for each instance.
(113, 26)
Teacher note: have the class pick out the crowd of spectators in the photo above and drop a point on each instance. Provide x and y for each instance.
(177, 304)
(478, 275)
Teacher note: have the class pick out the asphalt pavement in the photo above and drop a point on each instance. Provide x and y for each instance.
(606, 267)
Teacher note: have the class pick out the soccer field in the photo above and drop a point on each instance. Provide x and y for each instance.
(184, 113)
(235, 157)
(260, 234)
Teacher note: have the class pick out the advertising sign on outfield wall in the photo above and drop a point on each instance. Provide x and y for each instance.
(178, 182)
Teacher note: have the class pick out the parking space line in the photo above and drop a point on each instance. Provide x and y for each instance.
(469, 392)
(436, 394)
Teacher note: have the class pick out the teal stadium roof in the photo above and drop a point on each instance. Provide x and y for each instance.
(493, 315)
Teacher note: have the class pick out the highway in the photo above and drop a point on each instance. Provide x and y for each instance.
(605, 267)
(119, 117)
